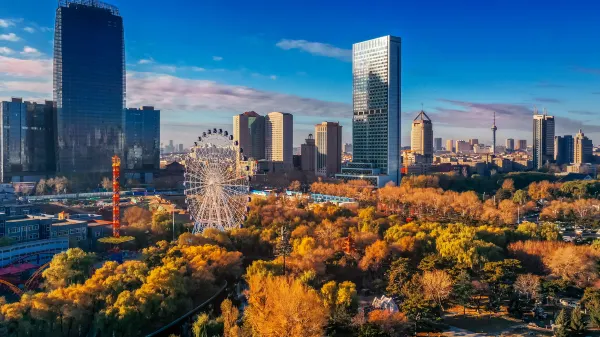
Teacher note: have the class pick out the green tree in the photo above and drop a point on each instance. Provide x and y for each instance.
(283, 247)
(162, 222)
(463, 290)
(398, 274)
(577, 323)
(591, 301)
(561, 325)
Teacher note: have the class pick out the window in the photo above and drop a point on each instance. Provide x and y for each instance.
(36, 227)
(97, 234)
(72, 231)
(14, 230)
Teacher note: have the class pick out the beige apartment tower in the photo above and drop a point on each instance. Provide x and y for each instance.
(450, 145)
(279, 136)
(328, 148)
(421, 136)
(583, 148)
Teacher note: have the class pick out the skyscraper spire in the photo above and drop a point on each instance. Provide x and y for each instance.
(494, 128)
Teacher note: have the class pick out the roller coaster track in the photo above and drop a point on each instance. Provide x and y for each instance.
(12, 287)
(35, 276)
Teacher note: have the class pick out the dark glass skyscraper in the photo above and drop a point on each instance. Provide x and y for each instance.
(27, 151)
(89, 85)
(142, 139)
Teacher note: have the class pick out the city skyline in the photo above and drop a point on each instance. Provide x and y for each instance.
(456, 89)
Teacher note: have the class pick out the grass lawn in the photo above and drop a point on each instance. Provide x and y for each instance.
(483, 323)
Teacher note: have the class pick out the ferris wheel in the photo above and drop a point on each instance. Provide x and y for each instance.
(216, 182)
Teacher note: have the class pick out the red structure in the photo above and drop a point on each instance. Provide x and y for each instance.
(116, 166)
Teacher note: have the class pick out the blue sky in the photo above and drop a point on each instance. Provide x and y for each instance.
(200, 62)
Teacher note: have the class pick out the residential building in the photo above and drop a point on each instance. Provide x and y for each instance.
(89, 86)
(564, 149)
(510, 144)
(279, 136)
(27, 140)
(437, 144)
(249, 131)
(585, 168)
(521, 145)
(142, 143)
(473, 141)
(543, 139)
(376, 110)
(422, 136)
(308, 154)
(583, 149)
(450, 145)
(328, 148)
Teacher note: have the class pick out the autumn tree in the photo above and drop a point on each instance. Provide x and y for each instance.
(295, 186)
(575, 264)
(72, 266)
(375, 255)
(230, 315)
(137, 216)
(437, 285)
(106, 184)
(529, 285)
(275, 305)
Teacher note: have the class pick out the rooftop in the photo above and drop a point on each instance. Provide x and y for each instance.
(90, 3)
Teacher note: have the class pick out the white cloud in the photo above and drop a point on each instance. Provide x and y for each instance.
(44, 88)
(5, 23)
(146, 61)
(217, 58)
(9, 37)
(37, 68)
(29, 29)
(6, 51)
(168, 92)
(165, 68)
(31, 52)
(316, 48)
(273, 77)
(197, 69)
(46, 29)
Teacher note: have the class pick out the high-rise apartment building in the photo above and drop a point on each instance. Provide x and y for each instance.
(376, 109)
(279, 136)
(543, 139)
(437, 144)
(308, 154)
(142, 142)
(450, 145)
(26, 140)
(521, 145)
(563, 149)
(249, 131)
(89, 86)
(421, 137)
(583, 149)
(329, 148)
(510, 144)
(473, 141)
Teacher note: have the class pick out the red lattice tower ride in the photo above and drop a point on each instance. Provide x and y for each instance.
(116, 166)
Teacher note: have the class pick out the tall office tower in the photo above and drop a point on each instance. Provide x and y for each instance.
(450, 145)
(329, 148)
(510, 144)
(563, 149)
(279, 136)
(583, 148)
(462, 146)
(142, 143)
(171, 147)
(421, 137)
(376, 106)
(308, 154)
(89, 85)
(437, 144)
(543, 139)
(522, 145)
(494, 129)
(473, 141)
(27, 140)
(249, 131)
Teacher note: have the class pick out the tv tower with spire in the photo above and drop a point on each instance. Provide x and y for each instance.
(494, 128)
